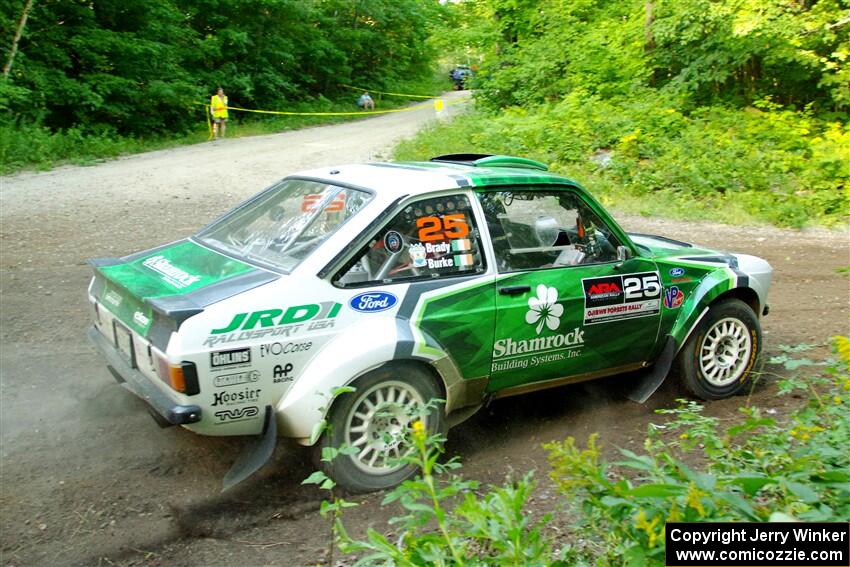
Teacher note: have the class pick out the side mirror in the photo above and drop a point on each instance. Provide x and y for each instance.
(623, 254)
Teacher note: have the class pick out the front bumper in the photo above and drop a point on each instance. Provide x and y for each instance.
(166, 411)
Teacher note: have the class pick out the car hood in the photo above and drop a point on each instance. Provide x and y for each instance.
(661, 247)
(174, 281)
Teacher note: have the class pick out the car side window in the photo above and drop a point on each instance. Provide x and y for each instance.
(536, 229)
(431, 238)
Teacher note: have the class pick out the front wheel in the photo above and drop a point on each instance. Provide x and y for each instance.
(720, 357)
(375, 421)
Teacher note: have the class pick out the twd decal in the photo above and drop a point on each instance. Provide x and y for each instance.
(613, 298)
(237, 414)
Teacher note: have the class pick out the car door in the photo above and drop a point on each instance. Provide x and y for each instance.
(566, 306)
(430, 256)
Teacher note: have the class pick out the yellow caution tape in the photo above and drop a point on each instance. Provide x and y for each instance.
(386, 93)
(439, 104)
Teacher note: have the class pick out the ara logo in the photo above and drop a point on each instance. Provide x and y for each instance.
(237, 414)
(677, 272)
(372, 301)
(604, 288)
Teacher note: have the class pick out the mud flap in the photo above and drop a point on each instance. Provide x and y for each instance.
(256, 453)
(654, 377)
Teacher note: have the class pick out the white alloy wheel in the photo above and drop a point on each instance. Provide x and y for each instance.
(725, 352)
(721, 356)
(377, 425)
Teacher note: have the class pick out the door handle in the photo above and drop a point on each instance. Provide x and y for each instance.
(514, 289)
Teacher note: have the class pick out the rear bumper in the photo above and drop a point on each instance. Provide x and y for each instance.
(136, 382)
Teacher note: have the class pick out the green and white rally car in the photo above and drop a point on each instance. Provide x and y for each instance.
(462, 279)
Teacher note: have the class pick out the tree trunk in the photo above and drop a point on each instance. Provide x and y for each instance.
(8, 68)
(648, 38)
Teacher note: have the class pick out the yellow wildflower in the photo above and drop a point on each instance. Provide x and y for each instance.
(418, 429)
(842, 344)
(647, 526)
(694, 499)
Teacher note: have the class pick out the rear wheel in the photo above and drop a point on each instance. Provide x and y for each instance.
(375, 420)
(720, 357)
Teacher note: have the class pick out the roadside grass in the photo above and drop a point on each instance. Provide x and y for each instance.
(645, 156)
(760, 467)
(29, 146)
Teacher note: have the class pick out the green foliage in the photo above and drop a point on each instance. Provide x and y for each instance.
(707, 51)
(643, 152)
(445, 522)
(758, 469)
(693, 468)
(136, 68)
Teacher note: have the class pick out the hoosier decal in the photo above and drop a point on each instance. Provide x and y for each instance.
(612, 298)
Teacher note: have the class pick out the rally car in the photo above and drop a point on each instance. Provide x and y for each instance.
(462, 279)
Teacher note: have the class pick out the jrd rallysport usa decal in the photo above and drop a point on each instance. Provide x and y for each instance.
(613, 298)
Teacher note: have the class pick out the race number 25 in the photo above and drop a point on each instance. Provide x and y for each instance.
(436, 228)
(641, 286)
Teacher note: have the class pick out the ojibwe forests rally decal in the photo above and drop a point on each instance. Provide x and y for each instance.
(613, 298)
(543, 341)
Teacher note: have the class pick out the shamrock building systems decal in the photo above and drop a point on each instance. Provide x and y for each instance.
(547, 344)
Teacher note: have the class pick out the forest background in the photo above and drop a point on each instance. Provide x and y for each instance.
(730, 109)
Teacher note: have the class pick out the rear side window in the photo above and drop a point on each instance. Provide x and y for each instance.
(284, 225)
(431, 238)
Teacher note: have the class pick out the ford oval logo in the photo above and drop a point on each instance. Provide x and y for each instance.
(676, 272)
(373, 301)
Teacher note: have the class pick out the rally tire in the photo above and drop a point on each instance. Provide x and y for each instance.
(721, 356)
(376, 418)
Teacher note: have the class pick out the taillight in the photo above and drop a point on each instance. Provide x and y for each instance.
(181, 377)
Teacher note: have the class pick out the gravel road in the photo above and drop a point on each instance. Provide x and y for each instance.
(87, 478)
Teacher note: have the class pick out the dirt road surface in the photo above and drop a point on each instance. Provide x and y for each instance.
(87, 477)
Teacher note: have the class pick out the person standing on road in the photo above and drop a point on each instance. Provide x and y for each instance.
(218, 109)
(365, 102)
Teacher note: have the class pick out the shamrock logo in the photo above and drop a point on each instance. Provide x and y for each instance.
(544, 309)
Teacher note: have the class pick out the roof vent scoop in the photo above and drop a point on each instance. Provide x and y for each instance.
(487, 160)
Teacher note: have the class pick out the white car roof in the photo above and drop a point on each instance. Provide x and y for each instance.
(391, 179)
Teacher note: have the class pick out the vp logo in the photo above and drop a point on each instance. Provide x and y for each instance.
(238, 413)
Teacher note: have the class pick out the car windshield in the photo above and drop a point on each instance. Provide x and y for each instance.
(286, 223)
